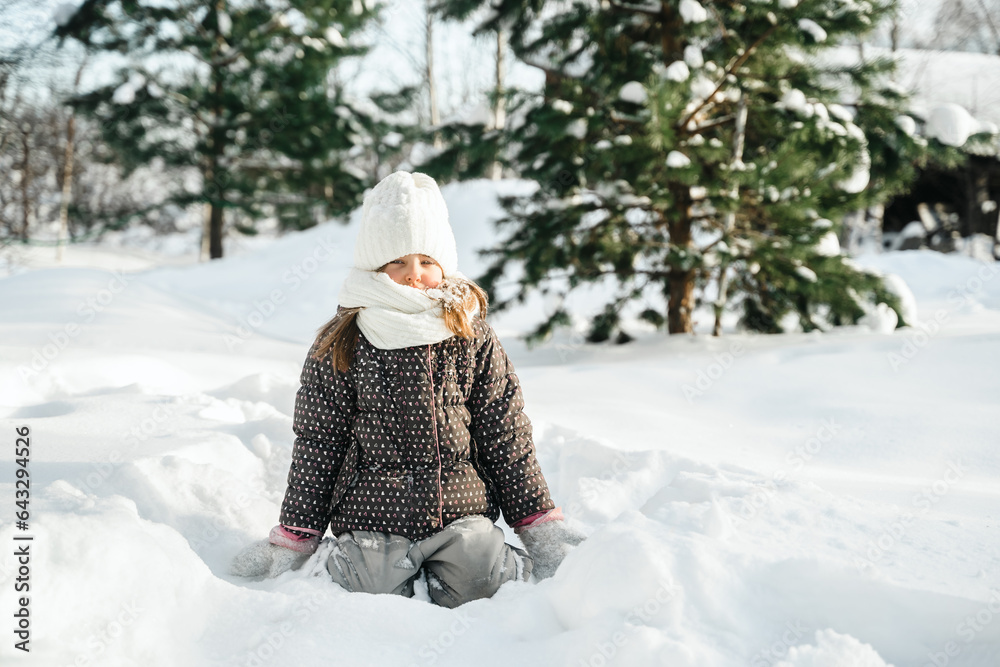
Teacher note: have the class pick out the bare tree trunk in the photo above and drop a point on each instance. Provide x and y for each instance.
(873, 218)
(67, 187)
(500, 106)
(25, 183)
(212, 176)
(681, 302)
(979, 193)
(739, 137)
(67, 184)
(431, 88)
(217, 139)
(215, 226)
(206, 232)
(994, 30)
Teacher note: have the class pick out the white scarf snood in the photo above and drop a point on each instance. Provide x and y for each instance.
(395, 316)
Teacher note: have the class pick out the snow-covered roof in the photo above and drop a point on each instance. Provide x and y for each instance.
(942, 85)
(971, 80)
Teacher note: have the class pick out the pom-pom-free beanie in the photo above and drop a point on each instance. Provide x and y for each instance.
(405, 214)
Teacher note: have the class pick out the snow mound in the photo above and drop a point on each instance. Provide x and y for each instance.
(804, 500)
(902, 291)
(879, 318)
(833, 650)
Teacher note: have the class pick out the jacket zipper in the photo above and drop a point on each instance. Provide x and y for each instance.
(437, 444)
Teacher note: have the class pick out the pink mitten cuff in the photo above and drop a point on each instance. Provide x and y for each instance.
(305, 543)
(538, 519)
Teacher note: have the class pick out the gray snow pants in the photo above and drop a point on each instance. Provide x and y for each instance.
(466, 561)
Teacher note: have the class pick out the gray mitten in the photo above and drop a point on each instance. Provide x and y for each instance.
(265, 559)
(548, 543)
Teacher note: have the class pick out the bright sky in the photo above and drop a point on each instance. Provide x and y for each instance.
(464, 67)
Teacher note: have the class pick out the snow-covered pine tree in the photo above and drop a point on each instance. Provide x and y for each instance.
(679, 145)
(242, 92)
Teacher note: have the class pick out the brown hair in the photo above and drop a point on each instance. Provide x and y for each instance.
(339, 336)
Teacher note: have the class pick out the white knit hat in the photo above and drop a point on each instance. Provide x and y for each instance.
(405, 214)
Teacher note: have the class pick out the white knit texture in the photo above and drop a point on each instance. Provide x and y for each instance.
(405, 214)
(394, 316)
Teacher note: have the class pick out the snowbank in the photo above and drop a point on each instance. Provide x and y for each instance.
(800, 500)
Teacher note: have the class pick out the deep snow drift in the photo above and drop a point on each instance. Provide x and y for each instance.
(798, 500)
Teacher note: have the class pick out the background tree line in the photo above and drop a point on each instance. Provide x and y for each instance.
(686, 153)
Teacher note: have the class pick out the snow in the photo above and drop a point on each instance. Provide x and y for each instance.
(879, 318)
(907, 300)
(692, 11)
(832, 649)
(813, 28)
(63, 12)
(860, 174)
(829, 245)
(633, 92)
(806, 273)
(951, 124)
(422, 152)
(677, 71)
(125, 93)
(562, 106)
(677, 160)
(907, 125)
(577, 128)
(794, 99)
(477, 113)
(934, 78)
(693, 56)
(841, 113)
(335, 37)
(796, 500)
(392, 139)
(702, 87)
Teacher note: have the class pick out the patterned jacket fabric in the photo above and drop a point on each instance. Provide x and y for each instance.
(408, 440)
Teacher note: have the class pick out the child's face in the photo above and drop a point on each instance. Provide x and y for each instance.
(418, 271)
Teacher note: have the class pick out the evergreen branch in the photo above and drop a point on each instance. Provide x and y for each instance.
(589, 273)
(698, 129)
(232, 52)
(236, 51)
(635, 10)
(723, 31)
(225, 61)
(682, 127)
(549, 71)
(619, 118)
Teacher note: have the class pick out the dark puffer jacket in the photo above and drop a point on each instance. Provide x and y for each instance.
(409, 440)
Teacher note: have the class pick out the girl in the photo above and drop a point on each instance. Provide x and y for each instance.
(410, 435)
